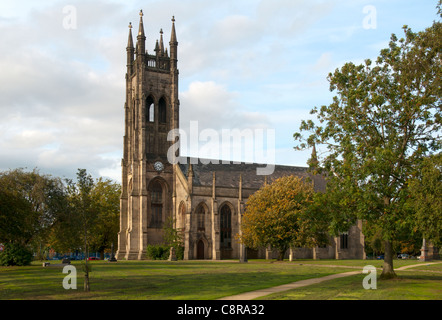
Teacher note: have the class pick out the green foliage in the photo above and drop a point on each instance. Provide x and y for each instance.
(106, 200)
(29, 203)
(282, 214)
(15, 254)
(385, 119)
(179, 252)
(426, 199)
(92, 216)
(16, 223)
(172, 236)
(158, 252)
(41, 211)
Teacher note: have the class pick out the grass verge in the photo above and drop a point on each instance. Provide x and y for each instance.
(154, 280)
(409, 285)
(196, 280)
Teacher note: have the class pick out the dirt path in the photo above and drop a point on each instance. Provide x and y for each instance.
(298, 284)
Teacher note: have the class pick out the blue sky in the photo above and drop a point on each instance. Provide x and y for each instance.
(243, 64)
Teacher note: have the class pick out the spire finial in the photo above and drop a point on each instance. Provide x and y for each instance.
(161, 43)
(141, 27)
(130, 43)
(141, 38)
(173, 33)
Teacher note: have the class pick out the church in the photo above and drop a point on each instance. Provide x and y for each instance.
(205, 199)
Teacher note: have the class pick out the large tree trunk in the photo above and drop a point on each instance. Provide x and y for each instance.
(281, 254)
(387, 270)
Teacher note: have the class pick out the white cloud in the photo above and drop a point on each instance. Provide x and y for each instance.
(215, 107)
(211, 108)
(243, 64)
(62, 92)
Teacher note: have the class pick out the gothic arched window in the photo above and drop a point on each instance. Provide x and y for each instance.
(226, 227)
(162, 114)
(156, 200)
(344, 240)
(201, 217)
(150, 109)
(182, 213)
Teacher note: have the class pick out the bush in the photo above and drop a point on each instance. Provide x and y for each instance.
(161, 252)
(157, 252)
(179, 252)
(15, 254)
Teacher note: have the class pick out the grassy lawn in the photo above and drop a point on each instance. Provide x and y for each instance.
(156, 280)
(194, 280)
(426, 266)
(360, 263)
(410, 285)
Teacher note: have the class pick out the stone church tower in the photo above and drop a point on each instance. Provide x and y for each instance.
(205, 198)
(151, 111)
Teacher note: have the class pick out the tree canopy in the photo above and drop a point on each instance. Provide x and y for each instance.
(384, 120)
(92, 217)
(281, 215)
(39, 211)
(29, 203)
(426, 199)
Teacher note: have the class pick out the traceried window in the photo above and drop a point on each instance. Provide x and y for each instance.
(226, 227)
(182, 211)
(201, 218)
(344, 240)
(150, 109)
(156, 197)
(162, 116)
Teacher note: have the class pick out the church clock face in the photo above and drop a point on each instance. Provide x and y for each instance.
(158, 166)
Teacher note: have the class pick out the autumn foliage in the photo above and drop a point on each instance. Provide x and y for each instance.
(280, 215)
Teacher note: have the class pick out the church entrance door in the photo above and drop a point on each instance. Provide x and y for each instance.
(200, 250)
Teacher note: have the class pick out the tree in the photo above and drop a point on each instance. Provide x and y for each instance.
(15, 254)
(173, 237)
(15, 223)
(381, 124)
(282, 214)
(425, 198)
(106, 201)
(80, 200)
(29, 203)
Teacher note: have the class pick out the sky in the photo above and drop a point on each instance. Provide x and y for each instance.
(259, 66)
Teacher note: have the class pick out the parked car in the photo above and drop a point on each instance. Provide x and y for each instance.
(381, 257)
(93, 258)
(404, 256)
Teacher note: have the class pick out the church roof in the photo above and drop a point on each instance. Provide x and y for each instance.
(228, 174)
